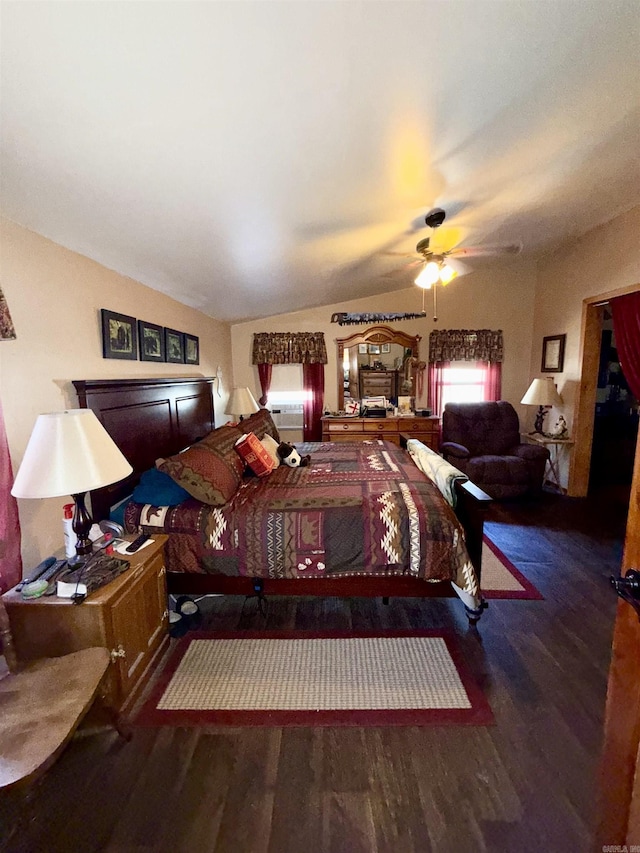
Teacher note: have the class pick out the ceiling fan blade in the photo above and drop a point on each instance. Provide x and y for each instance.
(488, 251)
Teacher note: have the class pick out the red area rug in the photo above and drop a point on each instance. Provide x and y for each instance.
(301, 678)
(501, 579)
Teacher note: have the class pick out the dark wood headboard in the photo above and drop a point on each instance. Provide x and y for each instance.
(147, 418)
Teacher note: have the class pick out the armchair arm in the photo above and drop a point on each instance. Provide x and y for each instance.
(453, 450)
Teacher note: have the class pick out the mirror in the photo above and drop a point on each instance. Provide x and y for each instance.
(378, 361)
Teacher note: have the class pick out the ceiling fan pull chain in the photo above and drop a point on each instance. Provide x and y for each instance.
(435, 304)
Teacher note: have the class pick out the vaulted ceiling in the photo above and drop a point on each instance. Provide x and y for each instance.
(254, 158)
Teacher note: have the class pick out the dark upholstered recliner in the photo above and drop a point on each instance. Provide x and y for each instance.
(483, 440)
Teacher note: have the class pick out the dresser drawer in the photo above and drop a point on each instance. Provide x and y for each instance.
(380, 425)
(345, 426)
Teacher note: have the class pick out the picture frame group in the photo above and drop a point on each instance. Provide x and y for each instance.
(125, 337)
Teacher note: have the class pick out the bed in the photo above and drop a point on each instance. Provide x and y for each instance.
(362, 519)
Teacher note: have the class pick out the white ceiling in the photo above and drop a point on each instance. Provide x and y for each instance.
(252, 158)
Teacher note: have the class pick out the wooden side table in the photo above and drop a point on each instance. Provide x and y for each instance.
(557, 449)
(128, 616)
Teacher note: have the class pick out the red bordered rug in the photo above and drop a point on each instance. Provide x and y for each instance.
(501, 579)
(302, 678)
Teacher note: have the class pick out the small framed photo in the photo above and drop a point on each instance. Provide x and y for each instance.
(385, 348)
(119, 336)
(191, 349)
(174, 346)
(151, 338)
(374, 349)
(362, 349)
(553, 354)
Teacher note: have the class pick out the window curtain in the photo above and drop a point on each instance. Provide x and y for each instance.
(484, 347)
(626, 325)
(264, 374)
(313, 383)
(436, 374)
(493, 380)
(10, 560)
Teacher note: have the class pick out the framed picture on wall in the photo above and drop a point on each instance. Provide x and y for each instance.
(151, 338)
(119, 336)
(191, 349)
(362, 349)
(174, 346)
(385, 348)
(553, 353)
(374, 349)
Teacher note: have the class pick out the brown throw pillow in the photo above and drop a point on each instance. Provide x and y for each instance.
(260, 423)
(211, 470)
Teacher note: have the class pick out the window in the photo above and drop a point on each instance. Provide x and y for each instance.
(462, 383)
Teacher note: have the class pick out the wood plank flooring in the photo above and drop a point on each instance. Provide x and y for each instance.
(524, 784)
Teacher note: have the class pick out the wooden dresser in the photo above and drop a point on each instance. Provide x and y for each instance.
(127, 616)
(376, 383)
(426, 430)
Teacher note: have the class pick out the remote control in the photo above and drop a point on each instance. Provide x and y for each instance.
(39, 570)
(40, 586)
(137, 543)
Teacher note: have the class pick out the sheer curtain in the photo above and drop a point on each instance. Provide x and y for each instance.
(626, 325)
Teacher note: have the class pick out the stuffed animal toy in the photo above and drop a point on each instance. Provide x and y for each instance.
(289, 456)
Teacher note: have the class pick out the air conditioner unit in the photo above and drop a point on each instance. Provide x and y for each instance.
(288, 416)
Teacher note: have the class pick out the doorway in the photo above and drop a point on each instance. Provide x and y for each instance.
(615, 424)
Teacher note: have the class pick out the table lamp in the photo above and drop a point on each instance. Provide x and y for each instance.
(241, 403)
(70, 453)
(542, 393)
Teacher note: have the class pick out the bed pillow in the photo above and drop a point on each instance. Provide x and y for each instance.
(437, 469)
(210, 470)
(158, 489)
(251, 451)
(260, 423)
(271, 446)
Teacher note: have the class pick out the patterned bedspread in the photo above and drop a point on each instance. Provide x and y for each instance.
(360, 508)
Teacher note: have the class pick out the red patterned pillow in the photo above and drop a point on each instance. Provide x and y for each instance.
(211, 470)
(254, 454)
(260, 423)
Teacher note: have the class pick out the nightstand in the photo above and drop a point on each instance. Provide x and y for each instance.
(127, 616)
(557, 447)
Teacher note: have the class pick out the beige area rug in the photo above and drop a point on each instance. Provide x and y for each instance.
(500, 578)
(316, 679)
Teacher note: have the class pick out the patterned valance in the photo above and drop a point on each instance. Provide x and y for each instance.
(289, 348)
(465, 345)
(7, 331)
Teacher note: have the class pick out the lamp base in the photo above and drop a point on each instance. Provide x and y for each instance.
(81, 525)
(539, 421)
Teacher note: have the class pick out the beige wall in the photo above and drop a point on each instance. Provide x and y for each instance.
(496, 298)
(606, 258)
(55, 297)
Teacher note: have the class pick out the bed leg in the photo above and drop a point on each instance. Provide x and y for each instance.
(385, 599)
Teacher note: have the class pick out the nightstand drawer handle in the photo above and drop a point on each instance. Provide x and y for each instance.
(117, 653)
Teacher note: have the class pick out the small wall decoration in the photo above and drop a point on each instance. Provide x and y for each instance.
(385, 348)
(119, 336)
(553, 353)
(174, 346)
(362, 349)
(151, 339)
(191, 349)
(374, 349)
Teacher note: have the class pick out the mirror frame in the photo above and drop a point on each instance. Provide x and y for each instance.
(374, 335)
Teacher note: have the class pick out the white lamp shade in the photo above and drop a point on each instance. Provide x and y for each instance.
(68, 453)
(542, 392)
(241, 402)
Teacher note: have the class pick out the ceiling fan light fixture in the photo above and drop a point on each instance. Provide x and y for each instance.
(429, 275)
(447, 273)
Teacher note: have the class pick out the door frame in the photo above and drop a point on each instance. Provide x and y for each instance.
(585, 400)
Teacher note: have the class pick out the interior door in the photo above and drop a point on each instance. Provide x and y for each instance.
(619, 779)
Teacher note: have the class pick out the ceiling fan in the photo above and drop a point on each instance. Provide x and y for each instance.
(435, 263)
(428, 254)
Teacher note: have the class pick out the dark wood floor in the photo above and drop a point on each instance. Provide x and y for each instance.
(524, 784)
